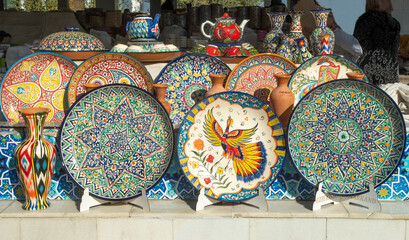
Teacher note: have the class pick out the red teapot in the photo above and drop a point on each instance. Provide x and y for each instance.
(224, 30)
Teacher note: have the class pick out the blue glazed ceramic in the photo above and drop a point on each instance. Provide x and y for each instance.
(188, 80)
(143, 27)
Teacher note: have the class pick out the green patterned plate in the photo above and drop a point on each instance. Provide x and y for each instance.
(116, 140)
(346, 134)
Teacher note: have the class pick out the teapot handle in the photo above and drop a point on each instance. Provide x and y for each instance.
(202, 28)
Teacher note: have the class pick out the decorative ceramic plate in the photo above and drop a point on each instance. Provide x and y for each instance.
(256, 73)
(346, 134)
(188, 80)
(116, 140)
(319, 70)
(37, 80)
(231, 144)
(109, 68)
(156, 57)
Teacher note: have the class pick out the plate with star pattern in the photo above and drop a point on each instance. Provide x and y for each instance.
(346, 134)
(116, 140)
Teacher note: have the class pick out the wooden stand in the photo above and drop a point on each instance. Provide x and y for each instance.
(258, 201)
(88, 201)
(368, 200)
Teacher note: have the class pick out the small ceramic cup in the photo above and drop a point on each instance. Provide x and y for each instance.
(160, 47)
(213, 50)
(172, 48)
(199, 48)
(135, 48)
(119, 48)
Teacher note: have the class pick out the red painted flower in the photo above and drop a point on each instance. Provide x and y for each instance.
(210, 159)
(207, 180)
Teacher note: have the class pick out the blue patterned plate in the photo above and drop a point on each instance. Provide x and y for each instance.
(319, 70)
(231, 144)
(188, 80)
(346, 134)
(116, 140)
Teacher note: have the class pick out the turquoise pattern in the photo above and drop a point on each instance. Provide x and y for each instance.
(346, 134)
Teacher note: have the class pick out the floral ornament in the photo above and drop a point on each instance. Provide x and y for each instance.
(198, 144)
(210, 159)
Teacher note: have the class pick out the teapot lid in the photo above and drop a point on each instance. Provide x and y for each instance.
(225, 17)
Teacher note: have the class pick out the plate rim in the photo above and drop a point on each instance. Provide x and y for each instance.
(98, 55)
(359, 82)
(253, 56)
(172, 149)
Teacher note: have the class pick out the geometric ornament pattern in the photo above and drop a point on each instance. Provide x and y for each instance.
(116, 141)
(346, 134)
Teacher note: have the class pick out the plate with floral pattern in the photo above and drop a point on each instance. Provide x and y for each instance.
(346, 134)
(37, 80)
(231, 144)
(255, 75)
(319, 70)
(116, 140)
(188, 80)
(109, 68)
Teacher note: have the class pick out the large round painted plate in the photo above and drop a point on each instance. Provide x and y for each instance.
(188, 79)
(255, 75)
(319, 70)
(37, 80)
(231, 144)
(346, 134)
(116, 140)
(109, 68)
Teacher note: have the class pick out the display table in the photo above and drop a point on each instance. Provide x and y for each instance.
(177, 219)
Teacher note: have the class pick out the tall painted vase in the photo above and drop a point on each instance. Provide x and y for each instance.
(272, 39)
(321, 16)
(296, 33)
(35, 158)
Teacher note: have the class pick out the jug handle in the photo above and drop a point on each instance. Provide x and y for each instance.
(202, 28)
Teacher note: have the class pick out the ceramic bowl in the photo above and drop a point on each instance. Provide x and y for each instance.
(119, 48)
(172, 48)
(71, 40)
(160, 47)
(135, 49)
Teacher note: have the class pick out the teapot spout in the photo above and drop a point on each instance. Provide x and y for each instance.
(156, 20)
(243, 24)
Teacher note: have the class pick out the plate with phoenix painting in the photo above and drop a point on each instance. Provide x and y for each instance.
(231, 144)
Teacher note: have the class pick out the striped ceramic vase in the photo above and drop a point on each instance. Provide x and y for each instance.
(35, 158)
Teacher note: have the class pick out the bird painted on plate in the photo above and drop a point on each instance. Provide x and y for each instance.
(249, 159)
(327, 72)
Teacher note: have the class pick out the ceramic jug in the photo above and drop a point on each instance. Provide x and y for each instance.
(143, 27)
(224, 30)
